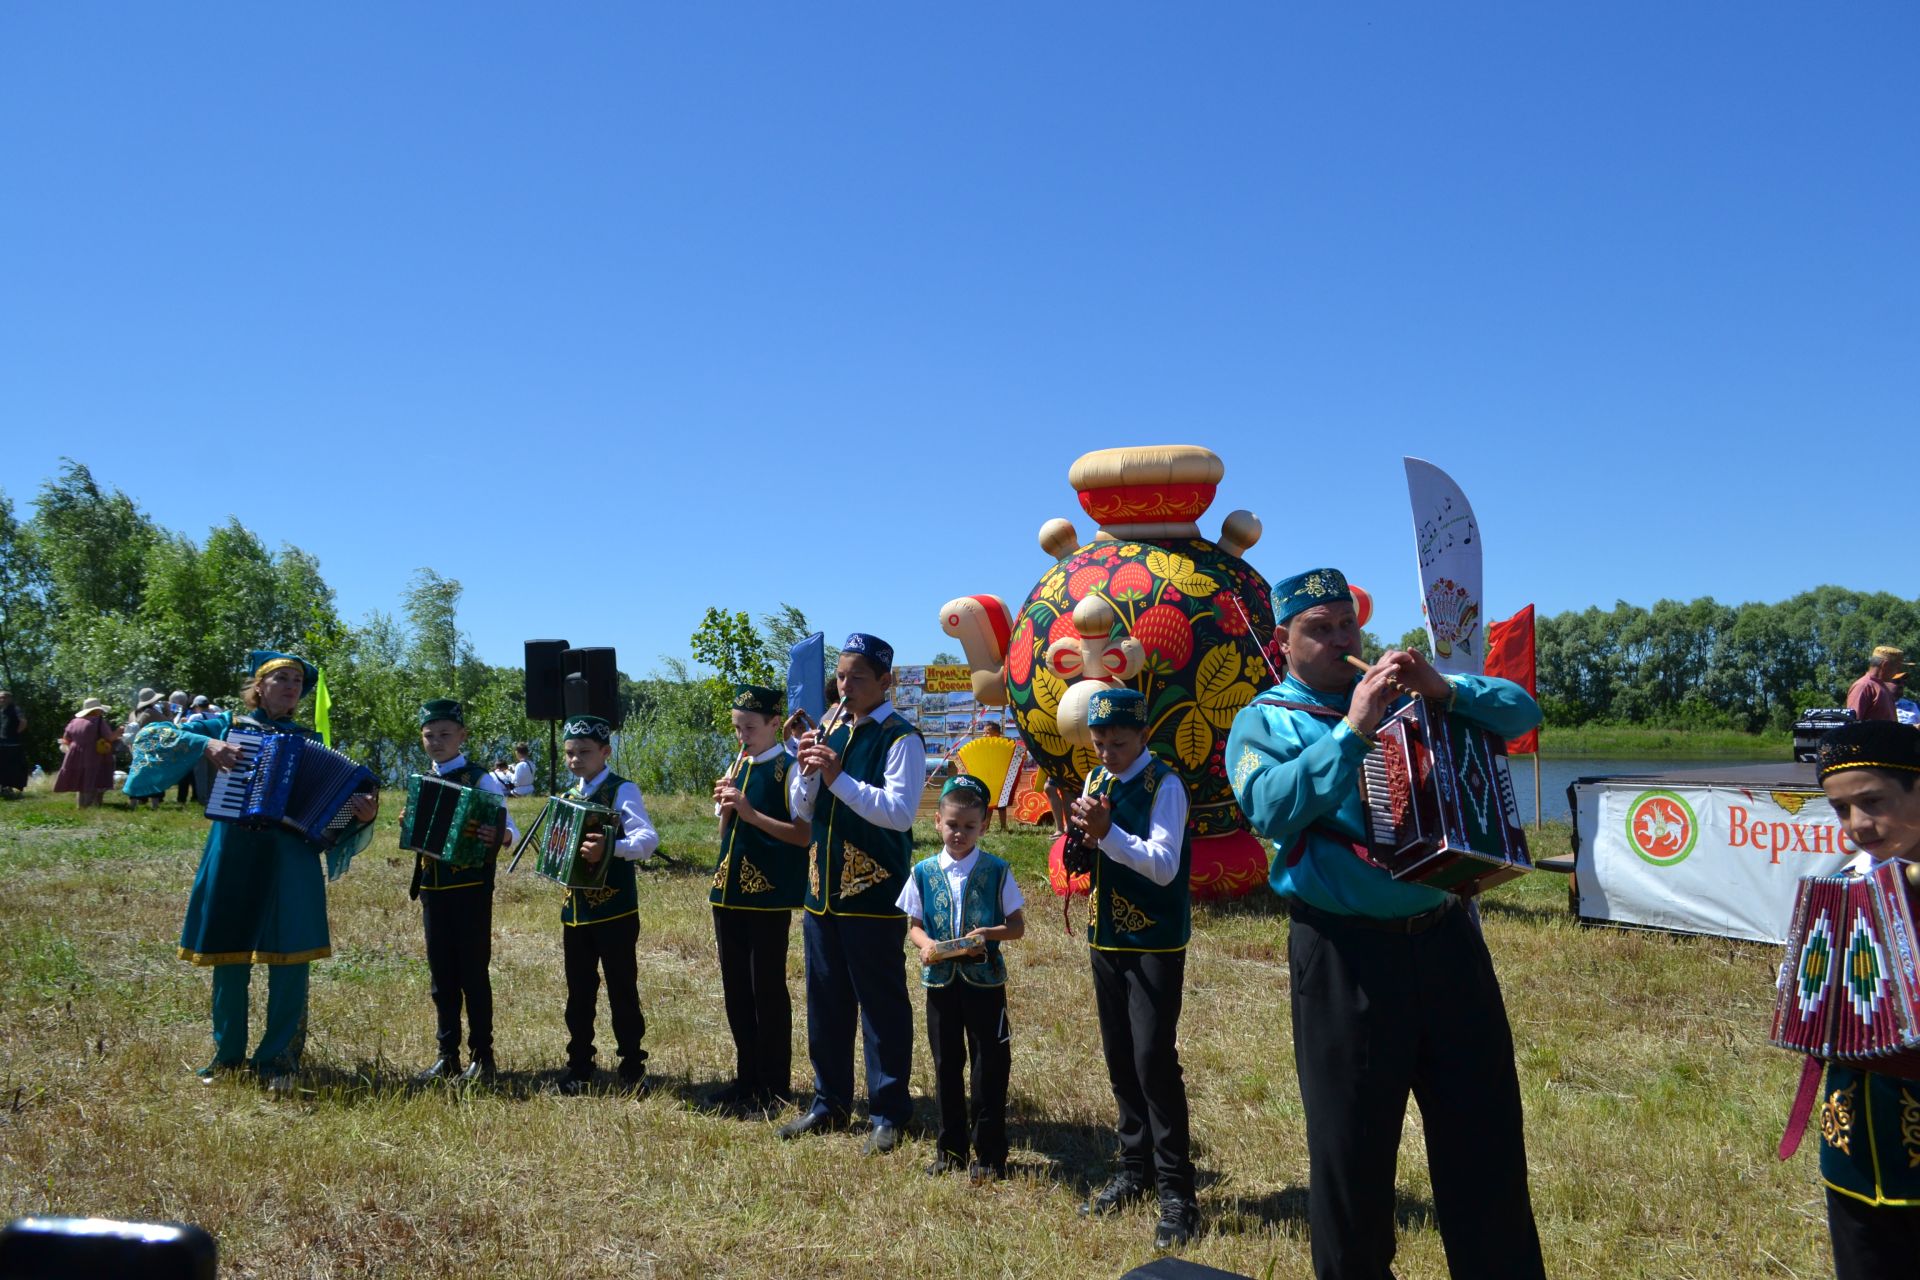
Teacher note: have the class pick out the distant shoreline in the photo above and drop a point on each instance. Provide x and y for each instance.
(1648, 742)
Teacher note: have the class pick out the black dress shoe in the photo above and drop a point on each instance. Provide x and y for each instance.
(730, 1098)
(983, 1171)
(1179, 1219)
(884, 1138)
(576, 1082)
(445, 1067)
(945, 1162)
(634, 1078)
(215, 1069)
(818, 1120)
(1122, 1189)
(480, 1071)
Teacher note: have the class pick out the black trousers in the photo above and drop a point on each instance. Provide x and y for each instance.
(1872, 1243)
(967, 1028)
(1377, 1016)
(753, 981)
(612, 948)
(1137, 994)
(459, 928)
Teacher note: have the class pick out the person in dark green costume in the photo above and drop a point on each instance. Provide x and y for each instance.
(860, 784)
(601, 932)
(758, 882)
(259, 896)
(1870, 1121)
(457, 912)
(1134, 810)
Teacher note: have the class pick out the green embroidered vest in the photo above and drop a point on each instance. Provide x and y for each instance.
(430, 874)
(1129, 912)
(979, 907)
(620, 897)
(855, 867)
(1870, 1136)
(757, 871)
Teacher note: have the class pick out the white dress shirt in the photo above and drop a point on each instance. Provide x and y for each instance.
(1158, 856)
(771, 753)
(487, 783)
(640, 839)
(957, 871)
(892, 804)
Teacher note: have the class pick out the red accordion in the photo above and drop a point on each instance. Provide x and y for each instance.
(1849, 988)
(1440, 803)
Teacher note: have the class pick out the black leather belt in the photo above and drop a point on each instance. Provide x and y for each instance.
(1411, 926)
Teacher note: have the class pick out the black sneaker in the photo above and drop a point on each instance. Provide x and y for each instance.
(1123, 1188)
(1179, 1219)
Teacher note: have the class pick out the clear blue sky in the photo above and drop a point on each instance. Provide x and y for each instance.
(614, 311)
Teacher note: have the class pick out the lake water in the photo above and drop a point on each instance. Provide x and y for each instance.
(1555, 775)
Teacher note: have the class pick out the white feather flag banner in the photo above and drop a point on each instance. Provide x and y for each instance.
(1447, 539)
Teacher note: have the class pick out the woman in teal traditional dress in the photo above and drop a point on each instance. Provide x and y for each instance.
(259, 896)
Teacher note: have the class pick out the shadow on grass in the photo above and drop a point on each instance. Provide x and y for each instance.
(1287, 1207)
(1523, 912)
(367, 1083)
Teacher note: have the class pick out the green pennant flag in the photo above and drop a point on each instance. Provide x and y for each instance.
(323, 708)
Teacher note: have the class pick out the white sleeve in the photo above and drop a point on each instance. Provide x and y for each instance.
(639, 839)
(894, 803)
(491, 785)
(909, 899)
(802, 790)
(1158, 856)
(1011, 899)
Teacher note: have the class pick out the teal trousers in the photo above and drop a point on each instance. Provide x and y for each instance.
(286, 1034)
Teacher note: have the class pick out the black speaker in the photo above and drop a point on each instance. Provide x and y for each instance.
(578, 703)
(597, 665)
(1180, 1269)
(546, 698)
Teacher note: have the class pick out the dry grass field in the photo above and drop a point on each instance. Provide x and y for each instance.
(1652, 1100)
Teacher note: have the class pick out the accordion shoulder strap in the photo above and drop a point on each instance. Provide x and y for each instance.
(1802, 1110)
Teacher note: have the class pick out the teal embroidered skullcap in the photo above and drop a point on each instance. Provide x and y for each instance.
(263, 662)
(1117, 708)
(1304, 590)
(967, 785)
(756, 697)
(442, 709)
(587, 727)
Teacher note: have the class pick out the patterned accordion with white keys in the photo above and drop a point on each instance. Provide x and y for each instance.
(287, 780)
(1440, 804)
(1849, 988)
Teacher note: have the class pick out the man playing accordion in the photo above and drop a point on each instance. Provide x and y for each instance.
(1393, 991)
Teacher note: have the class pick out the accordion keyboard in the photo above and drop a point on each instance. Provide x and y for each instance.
(227, 797)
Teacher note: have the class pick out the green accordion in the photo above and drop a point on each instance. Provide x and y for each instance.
(557, 835)
(442, 820)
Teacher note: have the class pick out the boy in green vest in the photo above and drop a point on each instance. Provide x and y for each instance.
(457, 912)
(602, 926)
(758, 881)
(1135, 811)
(1870, 1120)
(860, 785)
(964, 892)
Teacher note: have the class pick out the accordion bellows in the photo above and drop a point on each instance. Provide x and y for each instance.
(988, 759)
(1440, 804)
(1849, 988)
(443, 819)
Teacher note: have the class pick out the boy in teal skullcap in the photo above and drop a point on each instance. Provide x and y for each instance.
(456, 913)
(600, 931)
(758, 883)
(1392, 983)
(965, 893)
(1869, 1141)
(1134, 811)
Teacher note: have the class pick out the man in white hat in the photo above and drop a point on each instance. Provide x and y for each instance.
(1873, 694)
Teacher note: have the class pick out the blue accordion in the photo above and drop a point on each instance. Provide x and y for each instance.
(284, 780)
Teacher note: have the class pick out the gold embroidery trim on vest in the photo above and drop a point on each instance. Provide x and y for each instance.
(597, 897)
(720, 877)
(858, 870)
(1910, 1128)
(1128, 918)
(751, 880)
(813, 869)
(1836, 1119)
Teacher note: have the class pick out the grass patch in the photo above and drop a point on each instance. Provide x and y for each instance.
(1648, 742)
(1652, 1099)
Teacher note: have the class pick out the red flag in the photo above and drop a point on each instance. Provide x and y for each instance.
(1510, 656)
